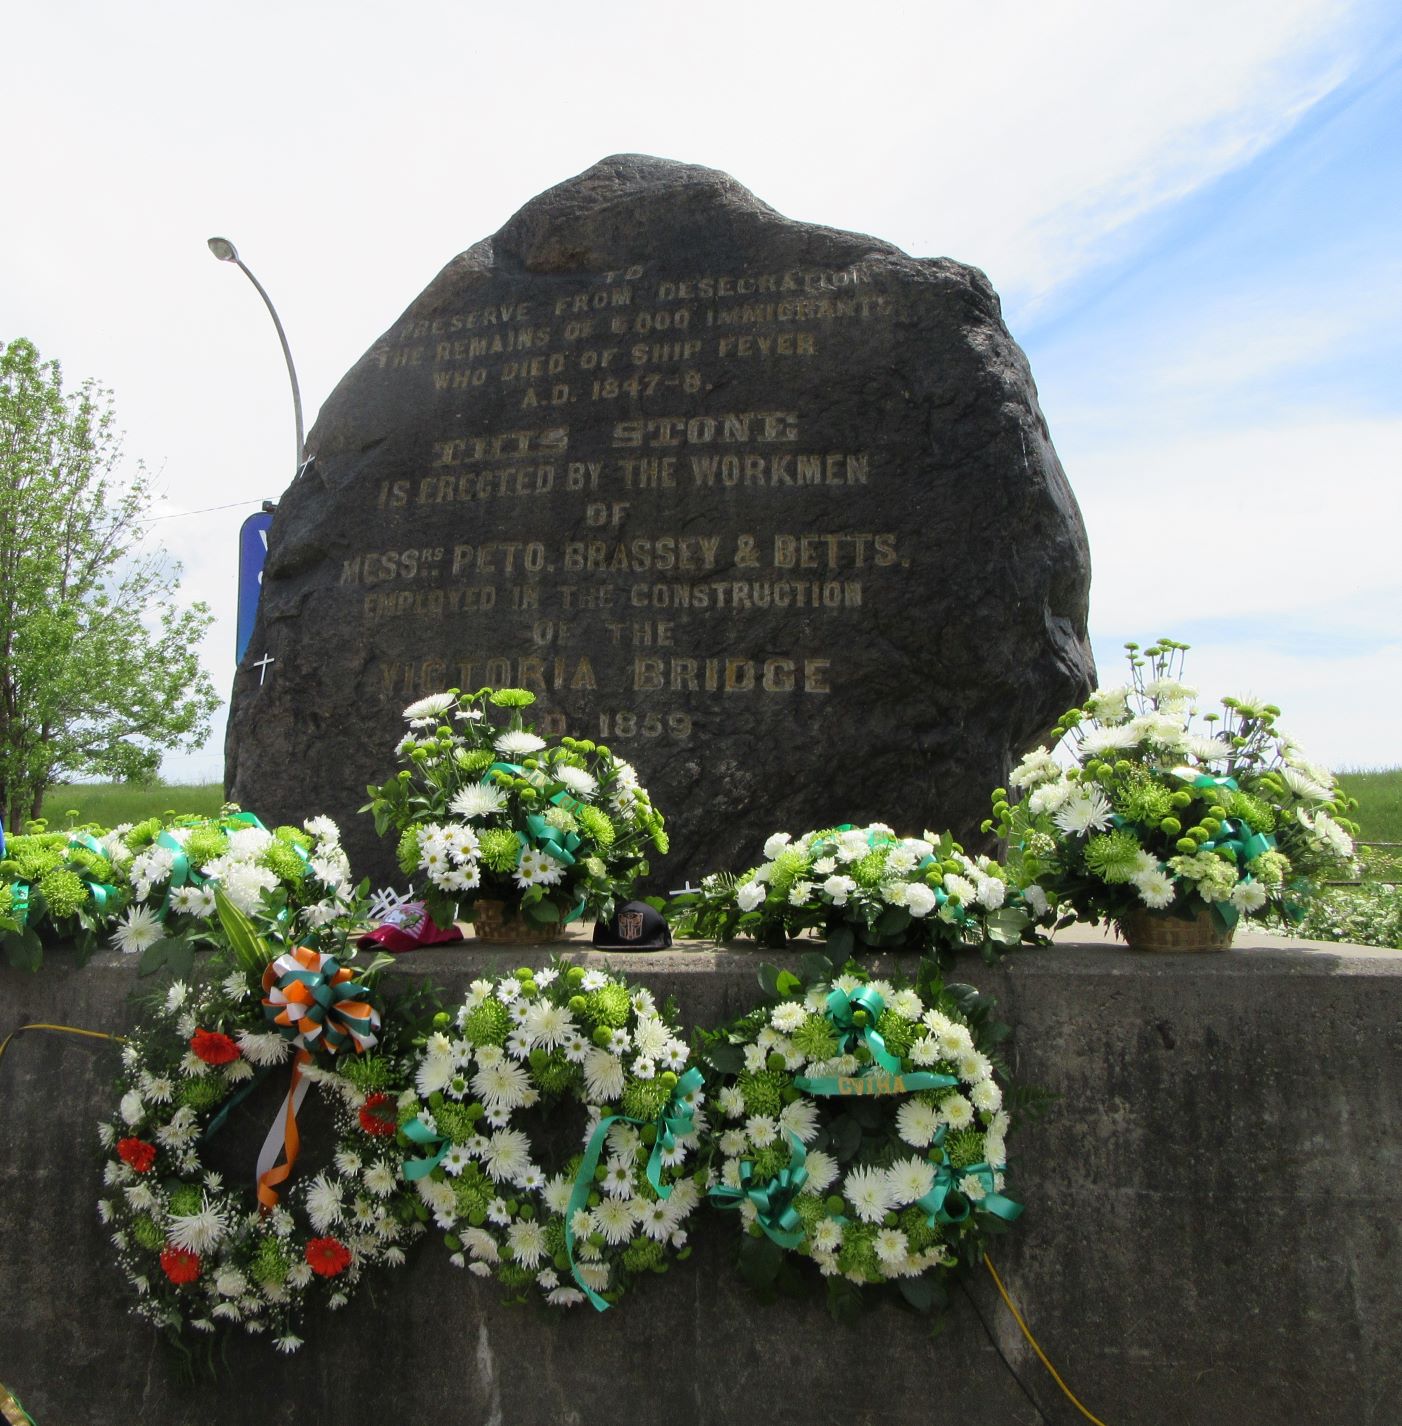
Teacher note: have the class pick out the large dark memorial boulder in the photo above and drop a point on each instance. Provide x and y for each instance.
(768, 508)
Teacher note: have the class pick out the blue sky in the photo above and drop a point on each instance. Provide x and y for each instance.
(1191, 212)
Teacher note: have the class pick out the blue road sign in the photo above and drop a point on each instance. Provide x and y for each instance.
(253, 551)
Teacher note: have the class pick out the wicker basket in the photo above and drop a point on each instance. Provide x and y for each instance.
(491, 923)
(1147, 930)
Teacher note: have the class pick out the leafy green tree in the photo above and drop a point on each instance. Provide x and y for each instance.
(98, 666)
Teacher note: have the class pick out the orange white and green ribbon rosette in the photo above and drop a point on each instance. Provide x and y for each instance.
(563, 1040)
(202, 1249)
(860, 1125)
(314, 1003)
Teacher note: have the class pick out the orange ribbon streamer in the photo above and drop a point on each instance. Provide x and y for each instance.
(291, 1141)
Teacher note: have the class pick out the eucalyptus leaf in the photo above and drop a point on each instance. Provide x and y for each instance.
(728, 1059)
(892, 921)
(816, 967)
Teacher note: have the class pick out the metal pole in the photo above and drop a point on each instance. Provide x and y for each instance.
(225, 251)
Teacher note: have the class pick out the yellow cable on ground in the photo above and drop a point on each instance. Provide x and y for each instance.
(62, 1029)
(10, 1408)
(1032, 1342)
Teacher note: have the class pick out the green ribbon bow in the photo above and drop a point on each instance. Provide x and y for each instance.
(774, 1199)
(842, 1009)
(945, 1203)
(337, 1029)
(19, 901)
(102, 892)
(674, 1122)
(551, 840)
(419, 1133)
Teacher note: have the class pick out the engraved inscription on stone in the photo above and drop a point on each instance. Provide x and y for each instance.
(768, 508)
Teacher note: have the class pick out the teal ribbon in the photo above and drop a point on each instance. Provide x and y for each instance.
(874, 1082)
(774, 1199)
(327, 999)
(672, 1123)
(19, 901)
(102, 892)
(416, 1131)
(841, 1011)
(551, 840)
(945, 1204)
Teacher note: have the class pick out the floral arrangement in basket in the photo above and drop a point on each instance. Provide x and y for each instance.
(1140, 813)
(289, 878)
(614, 1207)
(201, 1251)
(861, 1125)
(865, 887)
(556, 829)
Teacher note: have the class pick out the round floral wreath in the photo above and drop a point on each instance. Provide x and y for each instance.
(199, 1251)
(862, 1126)
(615, 1209)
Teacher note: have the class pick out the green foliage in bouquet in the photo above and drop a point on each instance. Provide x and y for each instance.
(557, 829)
(55, 887)
(1138, 808)
(864, 887)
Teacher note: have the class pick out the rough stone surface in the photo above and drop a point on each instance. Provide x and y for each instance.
(769, 508)
(1211, 1232)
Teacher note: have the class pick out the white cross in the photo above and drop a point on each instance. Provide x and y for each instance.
(262, 666)
(684, 890)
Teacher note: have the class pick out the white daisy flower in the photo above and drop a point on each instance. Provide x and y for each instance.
(518, 744)
(614, 1219)
(603, 1075)
(582, 784)
(324, 1206)
(138, 929)
(429, 708)
(479, 799)
(822, 1169)
(526, 1242)
(507, 1155)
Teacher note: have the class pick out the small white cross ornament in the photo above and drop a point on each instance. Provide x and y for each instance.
(262, 666)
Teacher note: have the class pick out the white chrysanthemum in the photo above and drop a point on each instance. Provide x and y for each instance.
(243, 882)
(1084, 812)
(324, 1206)
(379, 1178)
(131, 1108)
(614, 1219)
(762, 1130)
(1248, 896)
(960, 887)
(557, 1193)
(270, 1049)
(565, 1297)
(603, 1075)
(891, 1247)
(582, 784)
(827, 1236)
(518, 744)
(800, 1119)
(480, 799)
(917, 1123)
(657, 1219)
(506, 1155)
(987, 1097)
(1037, 767)
(433, 706)
(973, 1066)
(838, 888)
(733, 1143)
(617, 1179)
(1155, 888)
(137, 930)
(481, 1245)
(910, 1179)
(972, 1187)
(526, 1242)
(869, 1193)
(956, 1111)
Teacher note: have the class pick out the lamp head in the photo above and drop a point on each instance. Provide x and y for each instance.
(223, 249)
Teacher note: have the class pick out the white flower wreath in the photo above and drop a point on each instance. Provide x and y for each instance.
(580, 1232)
(200, 1252)
(862, 1127)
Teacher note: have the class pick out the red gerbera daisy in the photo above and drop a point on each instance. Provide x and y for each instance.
(138, 1153)
(214, 1047)
(179, 1264)
(378, 1115)
(328, 1256)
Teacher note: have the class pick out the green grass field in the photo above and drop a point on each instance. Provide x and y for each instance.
(1379, 797)
(109, 804)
